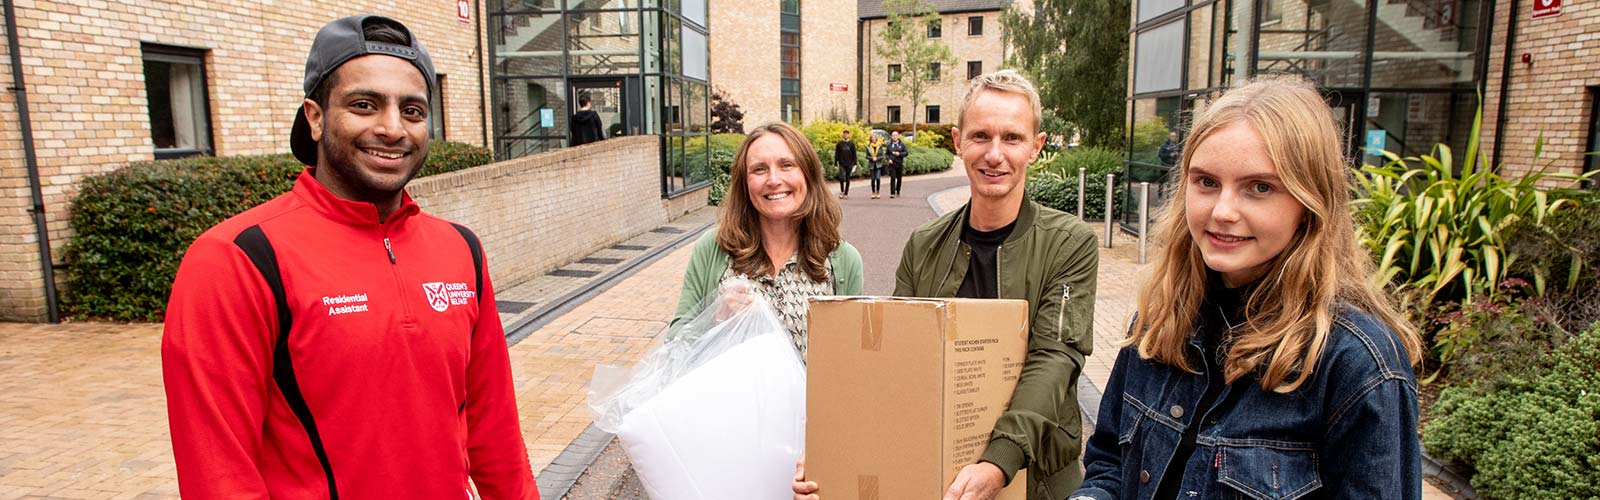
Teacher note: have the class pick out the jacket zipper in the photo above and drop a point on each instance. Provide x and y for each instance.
(394, 269)
(1061, 314)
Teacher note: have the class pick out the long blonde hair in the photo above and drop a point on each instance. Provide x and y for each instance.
(1290, 312)
(739, 225)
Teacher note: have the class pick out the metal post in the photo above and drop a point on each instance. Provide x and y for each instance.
(1144, 218)
(1111, 180)
(1082, 175)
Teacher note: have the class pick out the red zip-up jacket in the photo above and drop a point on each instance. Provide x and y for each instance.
(383, 375)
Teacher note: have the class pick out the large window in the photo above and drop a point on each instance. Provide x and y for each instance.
(175, 86)
(1158, 59)
(436, 109)
(789, 44)
(1591, 161)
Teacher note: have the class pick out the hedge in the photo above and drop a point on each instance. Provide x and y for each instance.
(1532, 439)
(1054, 183)
(131, 226)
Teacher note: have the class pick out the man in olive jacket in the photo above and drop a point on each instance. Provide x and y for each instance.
(1002, 245)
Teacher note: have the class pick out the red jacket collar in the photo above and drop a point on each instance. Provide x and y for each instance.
(357, 213)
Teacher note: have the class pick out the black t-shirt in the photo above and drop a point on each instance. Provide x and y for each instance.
(983, 280)
(1222, 310)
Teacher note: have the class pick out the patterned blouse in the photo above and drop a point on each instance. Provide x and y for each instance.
(787, 292)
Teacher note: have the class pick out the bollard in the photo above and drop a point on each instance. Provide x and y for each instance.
(1111, 180)
(1081, 177)
(1144, 218)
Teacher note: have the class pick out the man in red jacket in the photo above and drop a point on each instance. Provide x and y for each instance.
(336, 342)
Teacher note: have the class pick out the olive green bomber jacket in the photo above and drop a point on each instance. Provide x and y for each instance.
(1051, 260)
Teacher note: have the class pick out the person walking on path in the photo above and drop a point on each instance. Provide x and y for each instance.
(1049, 258)
(844, 155)
(585, 124)
(874, 161)
(336, 341)
(1260, 342)
(897, 163)
(779, 227)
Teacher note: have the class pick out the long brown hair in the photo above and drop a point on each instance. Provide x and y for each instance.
(739, 225)
(1290, 312)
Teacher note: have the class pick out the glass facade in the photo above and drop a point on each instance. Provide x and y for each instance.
(789, 44)
(643, 64)
(1405, 71)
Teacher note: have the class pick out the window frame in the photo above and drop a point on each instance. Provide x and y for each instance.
(936, 28)
(895, 72)
(436, 111)
(1591, 162)
(928, 114)
(934, 70)
(892, 114)
(974, 74)
(174, 54)
(974, 21)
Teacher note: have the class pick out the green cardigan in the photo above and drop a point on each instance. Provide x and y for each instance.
(708, 262)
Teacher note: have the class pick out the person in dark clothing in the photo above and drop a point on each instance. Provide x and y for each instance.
(585, 124)
(844, 154)
(897, 163)
(1171, 150)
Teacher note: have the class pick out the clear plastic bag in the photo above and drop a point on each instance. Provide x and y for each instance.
(715, 412)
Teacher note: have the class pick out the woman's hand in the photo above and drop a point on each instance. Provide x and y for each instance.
(736, 295)
(803, 489)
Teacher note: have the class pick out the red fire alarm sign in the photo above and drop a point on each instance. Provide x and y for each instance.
(464, 11)
(1546, 8)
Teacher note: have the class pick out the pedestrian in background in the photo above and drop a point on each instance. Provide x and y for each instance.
(336, 341)
(875, 161)
(897, 162)
(1170, 151)
(779, 227)
(844, 155)
(585, 125)
(1262, 357)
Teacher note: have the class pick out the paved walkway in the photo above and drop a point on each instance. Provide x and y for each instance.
(82, 413)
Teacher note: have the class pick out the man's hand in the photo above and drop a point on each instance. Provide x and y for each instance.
(803, 489)
(979, 481)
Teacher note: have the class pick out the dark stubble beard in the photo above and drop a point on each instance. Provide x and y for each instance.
(363, 187)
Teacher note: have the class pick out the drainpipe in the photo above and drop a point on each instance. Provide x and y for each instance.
(483, 102)
(1505, 85)
(41, 229)
(859, 69)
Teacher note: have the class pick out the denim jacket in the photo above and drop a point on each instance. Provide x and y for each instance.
(1348, 432)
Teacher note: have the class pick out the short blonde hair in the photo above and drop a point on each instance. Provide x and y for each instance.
(1005, 80)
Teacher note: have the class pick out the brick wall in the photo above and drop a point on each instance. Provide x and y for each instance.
(988, 48)
(746, 58)
(1549, 96)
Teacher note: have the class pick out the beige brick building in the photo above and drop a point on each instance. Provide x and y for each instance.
(753, 58)
(229, 80)
(971, 28)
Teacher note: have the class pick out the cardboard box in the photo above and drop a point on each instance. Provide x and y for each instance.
(903, 393)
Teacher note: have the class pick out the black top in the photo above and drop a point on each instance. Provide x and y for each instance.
(844, 153)
(982, 280)
(585, 127)
(1214, 330)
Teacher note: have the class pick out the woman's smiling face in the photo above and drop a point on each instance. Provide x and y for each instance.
(1239, 211)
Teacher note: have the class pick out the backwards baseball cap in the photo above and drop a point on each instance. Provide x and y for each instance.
(338, 43)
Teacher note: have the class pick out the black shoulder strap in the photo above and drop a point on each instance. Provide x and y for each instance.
(255, 245)
(477, 254)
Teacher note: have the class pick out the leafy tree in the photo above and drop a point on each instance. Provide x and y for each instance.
(905, 42)
(1076, 52)
(726, 117)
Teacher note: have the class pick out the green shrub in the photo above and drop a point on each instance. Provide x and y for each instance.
(1491, 339)
(1536, 438)
(1054, 183)
(921, 160)
(719, 188)
(131, 226)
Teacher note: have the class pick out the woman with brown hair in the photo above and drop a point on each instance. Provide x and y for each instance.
(1264, 362)
(778, 226)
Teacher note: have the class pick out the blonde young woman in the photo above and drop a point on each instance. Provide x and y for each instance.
(1261, 363)
(779, 226)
